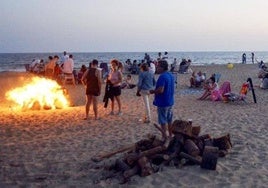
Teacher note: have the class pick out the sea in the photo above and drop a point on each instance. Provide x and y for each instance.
(16, 61)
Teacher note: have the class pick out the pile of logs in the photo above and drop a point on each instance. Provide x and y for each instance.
(147, 156)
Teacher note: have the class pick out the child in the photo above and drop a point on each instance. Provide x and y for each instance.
(128, 83)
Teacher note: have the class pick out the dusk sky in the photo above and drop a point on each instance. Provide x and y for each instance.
(133, 25)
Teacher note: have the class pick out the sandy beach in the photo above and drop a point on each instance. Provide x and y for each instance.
(53, 148)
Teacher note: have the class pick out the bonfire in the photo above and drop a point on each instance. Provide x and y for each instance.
(39, 93)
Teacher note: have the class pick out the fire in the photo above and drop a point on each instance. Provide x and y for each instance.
(40, 93)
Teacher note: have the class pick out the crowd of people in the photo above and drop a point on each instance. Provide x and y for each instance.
(58, 68)
(162, 88)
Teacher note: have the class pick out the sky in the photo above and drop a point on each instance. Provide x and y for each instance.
(133, 25)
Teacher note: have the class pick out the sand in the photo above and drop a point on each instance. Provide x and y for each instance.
(53, 148)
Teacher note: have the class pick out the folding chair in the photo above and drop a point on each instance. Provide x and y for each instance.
(217, 77)
(248, 85)
(69, 77)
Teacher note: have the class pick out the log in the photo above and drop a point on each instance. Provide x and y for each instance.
(203, 137)
(183, 127)
(196, 159)
(223, 153)
(200, 144)
(131, 158)
(175, 145)
(191, 148)
(210, 158)
(196, 130)
(145, 166)
(131, 172)
(100, 157)
(120, 165)
(208, 142)
(223, 142)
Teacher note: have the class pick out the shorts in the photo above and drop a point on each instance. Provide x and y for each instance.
(116, 91)
(165, 115)
(94, 92)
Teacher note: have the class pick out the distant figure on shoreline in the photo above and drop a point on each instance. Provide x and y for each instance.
(252, 57)
(244, 58)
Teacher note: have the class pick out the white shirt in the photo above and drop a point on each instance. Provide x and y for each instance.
(152, 68)
(68, 66)
(33, 64)
(64, 58)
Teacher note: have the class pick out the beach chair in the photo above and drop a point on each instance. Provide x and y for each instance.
(248, 85)
(69, 77)
(217, 95)
(238, 97)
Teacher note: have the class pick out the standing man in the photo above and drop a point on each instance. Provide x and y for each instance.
(64, 57)
(164, 97)
(68, 65)
(252, 57)
(244, 58)
(68, 69)
(92, 80)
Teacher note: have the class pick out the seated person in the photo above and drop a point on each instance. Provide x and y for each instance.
(197, 79)
(260, 63)
(34, 66)
(41, 67)
(184, 66)
(263, 71)
(58, 73)
(128, 83)
(210, 87)
(264, 83)
(82, 70)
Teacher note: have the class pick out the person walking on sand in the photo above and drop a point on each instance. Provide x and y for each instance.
(115, 77)
(92, 80)
(164, 97)
(145, 84)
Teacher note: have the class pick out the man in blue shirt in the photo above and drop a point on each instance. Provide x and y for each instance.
(164, 97)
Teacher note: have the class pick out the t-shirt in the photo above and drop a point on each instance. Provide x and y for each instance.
(166, 98)
(68, 66)
(92, 82)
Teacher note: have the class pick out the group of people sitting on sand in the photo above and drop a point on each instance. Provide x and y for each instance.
(182, 67)
(212, 89)
(210, 86)
(58, 69)
(197, 79)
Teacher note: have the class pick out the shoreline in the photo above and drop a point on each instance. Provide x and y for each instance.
(54, 147)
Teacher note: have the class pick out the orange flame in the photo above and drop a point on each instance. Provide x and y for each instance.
(40, 93)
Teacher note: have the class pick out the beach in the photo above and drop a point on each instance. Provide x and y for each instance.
(53, 148)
